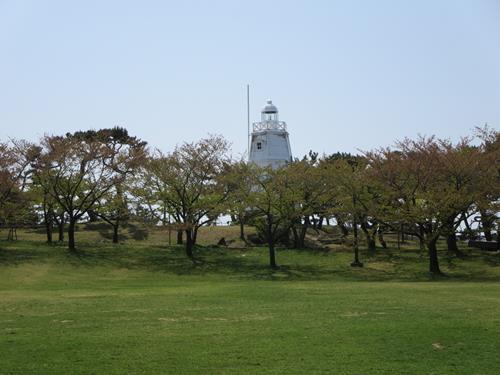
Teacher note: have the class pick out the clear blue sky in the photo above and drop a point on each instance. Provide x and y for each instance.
(345, 75)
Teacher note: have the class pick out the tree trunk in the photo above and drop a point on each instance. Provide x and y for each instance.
(451, 241)
(61, 230)
(487, 225)
(433, 257)
(314, 222)
(47, 218)
(48, 230)
(320, 223)
(272, 255)
(381, 239)
(71, 234)
(295, 237)
(487, 234)
(189, 244)
(179, 237)
(466, 222)
(195, 236)
(48, 225)
(12, 235)
(370, 238)
(299, 235)
(302, 236)
(343, 228)
(421, 240)
(356, 262)
(371, 244)
(242, 229)
(93, 217)
(270, 241)
(115, 232)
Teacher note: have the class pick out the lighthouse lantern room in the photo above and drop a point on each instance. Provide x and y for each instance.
(270, 145)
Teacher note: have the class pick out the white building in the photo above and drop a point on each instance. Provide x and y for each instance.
(269, 145)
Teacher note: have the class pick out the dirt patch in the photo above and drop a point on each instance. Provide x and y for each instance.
(437, 346)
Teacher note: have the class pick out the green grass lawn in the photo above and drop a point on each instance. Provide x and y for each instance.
(141, 308)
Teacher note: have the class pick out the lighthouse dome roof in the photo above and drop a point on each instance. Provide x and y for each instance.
(269, 107)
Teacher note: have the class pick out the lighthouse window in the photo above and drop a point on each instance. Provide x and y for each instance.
(259, 146)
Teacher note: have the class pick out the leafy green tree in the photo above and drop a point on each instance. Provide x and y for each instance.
(18, 211)
(79, 169)
(238, 181)
(429, 184)
(310, 196)
(464, 175)
(188, 184)
(16, 158)
(51, 212)
(16, 207)
(113, 208)
(488, 202)
(346, 178)
(272, 202)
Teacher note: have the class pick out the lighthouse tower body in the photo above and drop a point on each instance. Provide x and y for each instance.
(269, 145)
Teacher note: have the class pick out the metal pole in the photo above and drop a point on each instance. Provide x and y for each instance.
(248, 120)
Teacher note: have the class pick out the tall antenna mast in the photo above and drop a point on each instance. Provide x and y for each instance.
(248, 120)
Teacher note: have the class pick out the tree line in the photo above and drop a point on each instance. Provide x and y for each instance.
(426, 187)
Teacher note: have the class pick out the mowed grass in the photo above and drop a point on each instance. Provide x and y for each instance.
(141, 308)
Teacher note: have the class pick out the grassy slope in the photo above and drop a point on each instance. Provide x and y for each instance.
(141, 308)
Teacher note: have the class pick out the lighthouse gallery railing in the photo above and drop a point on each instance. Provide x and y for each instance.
(269, 125)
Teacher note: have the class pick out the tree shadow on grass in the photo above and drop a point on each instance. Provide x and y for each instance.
(302, 264)
(138, 233)
(18, 252)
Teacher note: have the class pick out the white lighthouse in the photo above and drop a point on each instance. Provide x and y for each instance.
(269, 145)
